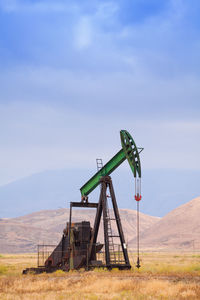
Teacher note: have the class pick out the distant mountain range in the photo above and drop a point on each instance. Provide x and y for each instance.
(162, 190)
(23, 234)
(178, 230)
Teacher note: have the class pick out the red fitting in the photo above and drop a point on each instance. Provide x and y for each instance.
(138, 197)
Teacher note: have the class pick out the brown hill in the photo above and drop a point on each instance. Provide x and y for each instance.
(179, 229)
(23, 234)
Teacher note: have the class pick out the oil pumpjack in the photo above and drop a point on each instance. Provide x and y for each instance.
(78, 247)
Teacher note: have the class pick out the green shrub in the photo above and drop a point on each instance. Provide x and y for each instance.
(3, 269)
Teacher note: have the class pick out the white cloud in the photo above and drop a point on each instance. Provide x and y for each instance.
(40, 137)
(123, 77)
(175, 97)
(83, 33)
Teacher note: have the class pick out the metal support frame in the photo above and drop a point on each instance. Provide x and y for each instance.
(101, 206)
(106, 182)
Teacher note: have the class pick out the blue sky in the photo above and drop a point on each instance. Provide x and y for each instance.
(73, 73)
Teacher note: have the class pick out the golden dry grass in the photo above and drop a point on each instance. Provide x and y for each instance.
(162, 276)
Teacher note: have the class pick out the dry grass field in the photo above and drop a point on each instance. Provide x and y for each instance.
(162, 276)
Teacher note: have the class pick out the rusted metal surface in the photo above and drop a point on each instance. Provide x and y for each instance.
(78, 247)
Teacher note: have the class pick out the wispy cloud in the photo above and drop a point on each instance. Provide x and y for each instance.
(149, 95)
(83, 33)
(77, 71)
(158, 42)
(39, 137)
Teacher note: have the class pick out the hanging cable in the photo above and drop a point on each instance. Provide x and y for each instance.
(138, 197)
(138, 238)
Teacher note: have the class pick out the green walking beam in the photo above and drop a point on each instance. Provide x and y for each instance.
(130, 152)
